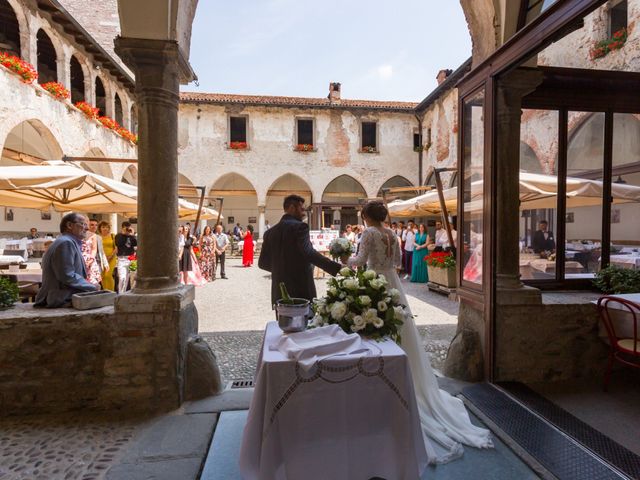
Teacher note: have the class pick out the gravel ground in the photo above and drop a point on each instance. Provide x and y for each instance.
(233, 313)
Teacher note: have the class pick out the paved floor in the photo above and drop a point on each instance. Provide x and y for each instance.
(232, 315)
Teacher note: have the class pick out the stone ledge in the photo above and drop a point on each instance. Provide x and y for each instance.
(26, 311)
(174, 300)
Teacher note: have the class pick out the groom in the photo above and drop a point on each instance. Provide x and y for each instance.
(288, 254)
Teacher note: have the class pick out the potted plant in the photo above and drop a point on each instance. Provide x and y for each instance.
(442, 268)
(8, 293)
(617, 280)
(133, 269)
(616, 42)
(303, 147)
(88, 110)
(369, 149)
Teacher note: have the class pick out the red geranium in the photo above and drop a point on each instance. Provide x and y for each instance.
(238, 145)
(109, 123)
(123, 132)
(304, 147)
(616, 42)
(133, 257)
(19, 66)
(57, 90)
(88, 110)
(441, 260)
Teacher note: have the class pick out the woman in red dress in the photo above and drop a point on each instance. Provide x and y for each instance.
(247, 248)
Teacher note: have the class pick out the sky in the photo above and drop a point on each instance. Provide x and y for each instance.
(378, 50)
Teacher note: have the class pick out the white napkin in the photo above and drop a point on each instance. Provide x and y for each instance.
(313, 345)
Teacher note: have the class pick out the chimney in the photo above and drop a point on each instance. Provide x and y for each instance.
(442, 75)
(334, 92)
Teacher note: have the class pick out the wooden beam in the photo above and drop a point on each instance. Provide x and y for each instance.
(21, 157)
(99, 159)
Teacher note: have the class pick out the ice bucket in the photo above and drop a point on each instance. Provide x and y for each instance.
(293, 317)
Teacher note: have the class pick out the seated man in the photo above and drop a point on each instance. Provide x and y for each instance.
(63, 268)
(33, 233)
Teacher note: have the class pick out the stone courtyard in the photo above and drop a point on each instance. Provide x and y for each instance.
(233, 313)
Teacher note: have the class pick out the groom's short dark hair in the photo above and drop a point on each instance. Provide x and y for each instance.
(291, 200)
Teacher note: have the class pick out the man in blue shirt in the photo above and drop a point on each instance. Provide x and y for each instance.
(63, 268)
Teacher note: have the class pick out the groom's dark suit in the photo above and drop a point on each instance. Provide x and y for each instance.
(288, 254)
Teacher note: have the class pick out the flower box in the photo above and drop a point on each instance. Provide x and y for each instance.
(25, 70)
(442, 276)
(238, 145)
(368, 149)
(604, 47)
(303, 147)
(57, 90)
(88, 110)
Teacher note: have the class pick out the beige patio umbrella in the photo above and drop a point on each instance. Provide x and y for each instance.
(65, 187)
(536, 191)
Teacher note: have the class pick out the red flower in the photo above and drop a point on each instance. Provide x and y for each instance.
(57, 90)
(19, 66)
(132, 257)
(238, 145)
(88, 110)
(109, 123)
(303, 147)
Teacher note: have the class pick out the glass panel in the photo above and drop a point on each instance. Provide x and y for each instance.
(625, 214)
(538, 212)
(473, 163)
(585, 163)
(535, 8)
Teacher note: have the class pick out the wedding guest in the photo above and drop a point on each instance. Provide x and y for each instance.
(111, 252)
(419, 273)
(222, 242)
(349, 235)
(126, 245)
(63, 268)
(100, 257)
(400, 233)
(208, 254)
(247, 249)
(90, 255)
(33, 233)
(266, 225)
(186, 263)
(237, 232)
(409, 237)
(442, 238)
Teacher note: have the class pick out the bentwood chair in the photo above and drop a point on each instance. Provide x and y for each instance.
(625, 346)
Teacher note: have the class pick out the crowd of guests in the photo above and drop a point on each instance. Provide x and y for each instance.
(415, 244)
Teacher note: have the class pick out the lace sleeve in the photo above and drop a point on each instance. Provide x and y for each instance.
(360, 260)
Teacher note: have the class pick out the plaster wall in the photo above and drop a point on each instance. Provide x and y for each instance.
(204, 156)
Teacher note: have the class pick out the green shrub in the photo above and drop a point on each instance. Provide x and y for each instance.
(8, 293)
(618, 280)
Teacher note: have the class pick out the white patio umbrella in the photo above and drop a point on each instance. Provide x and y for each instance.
(536, 191)
(65, 187)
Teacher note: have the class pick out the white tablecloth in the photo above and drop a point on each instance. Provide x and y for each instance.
(26, 275)
(8, 259)
(626, 261)
(349, 417)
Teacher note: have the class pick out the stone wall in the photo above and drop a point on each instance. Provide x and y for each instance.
(129, 358)
(548, 342)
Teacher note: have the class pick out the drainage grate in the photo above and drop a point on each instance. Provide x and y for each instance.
(241, 384)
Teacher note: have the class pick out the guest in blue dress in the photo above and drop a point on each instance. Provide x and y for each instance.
(419, 272)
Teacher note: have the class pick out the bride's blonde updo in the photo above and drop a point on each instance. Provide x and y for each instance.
(375, 210)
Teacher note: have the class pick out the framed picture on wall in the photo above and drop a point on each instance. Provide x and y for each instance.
(231, 219)
(615, 215)
(8, 214)
(569, 217)
(45, 215)
(253, 220)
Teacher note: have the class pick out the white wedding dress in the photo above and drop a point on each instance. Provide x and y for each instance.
(444, 419)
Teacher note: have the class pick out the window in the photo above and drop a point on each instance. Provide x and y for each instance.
(238, 132)
(304, 128)
(618, 17)
(369, 137)
(416, 141)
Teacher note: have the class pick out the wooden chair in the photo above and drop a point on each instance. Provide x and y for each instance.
(623, 349)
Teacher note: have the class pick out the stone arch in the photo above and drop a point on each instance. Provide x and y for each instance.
(32, 141)
(585, 147)
(134, 119)
(130, 175)
(100, 96)
(47, 64)
(529, 161)
(117, 109)
(397, 181)
(77, 79)
(343, 189)
(287, 184)
(10, 29)
(240, 198)
(184, 190)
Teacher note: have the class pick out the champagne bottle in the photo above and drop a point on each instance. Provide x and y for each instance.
(285, 294)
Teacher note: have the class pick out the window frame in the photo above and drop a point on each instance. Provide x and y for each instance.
(313, 132)
(246, 129)
(612, 6)
(376, 148)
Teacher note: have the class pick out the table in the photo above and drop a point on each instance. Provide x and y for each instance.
(349, 417)
(33, 276)
(626, 261)
(530, 266)
(9, 259)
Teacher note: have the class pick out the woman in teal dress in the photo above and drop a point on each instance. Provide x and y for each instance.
(419, 272)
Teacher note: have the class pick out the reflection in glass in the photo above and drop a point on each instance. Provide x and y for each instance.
(538, 213)
(535, 8)
(585, 160)
(625, 215)
(473, 163)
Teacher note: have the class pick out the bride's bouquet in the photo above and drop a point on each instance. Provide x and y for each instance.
(341, 247)
(361, 302)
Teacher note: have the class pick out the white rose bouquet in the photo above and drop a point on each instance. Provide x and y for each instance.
(361, 302)
(341, 247)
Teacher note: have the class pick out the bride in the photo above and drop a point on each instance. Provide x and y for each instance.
(444, 419)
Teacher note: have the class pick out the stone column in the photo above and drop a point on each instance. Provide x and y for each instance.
(63, 65)
(510, 91)
(336, 216)
(261, 230)
(156, 67)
